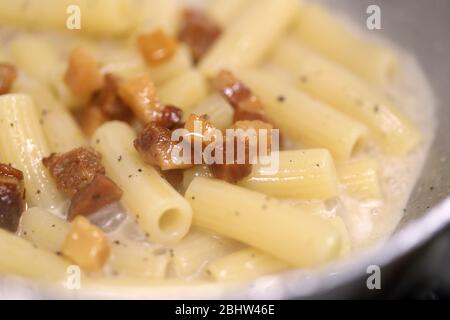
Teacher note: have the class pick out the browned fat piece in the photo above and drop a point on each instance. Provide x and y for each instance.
(169, 117)
(8, 75)
(155, 145)
(12, 197)
(101, 192)
(199, 32)
(74, 170)
(90, 119)
(83, 75)
(157, 47)
(246, 105)
(232, 172)
(109, 101)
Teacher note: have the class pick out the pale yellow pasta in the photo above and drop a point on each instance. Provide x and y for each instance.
(245, 43)
(219, 112)
(302, 174)
(100, 17)
(126, 63)
(304, 119)
(360, 178)
(50, 69)
(184, 91)
(121, 63)
(326, 33)
(41, 93)
(179, 64)
(191, 173)
(157, 208)
(60, 128)
(138, 259)
(346, 245)
(23, 144)
(390, 128)
(157, 14)
(245, 264)
(294, 236)
(191, 257)
(44, 229)
(24, 259)
(62, 131)
(225, 11)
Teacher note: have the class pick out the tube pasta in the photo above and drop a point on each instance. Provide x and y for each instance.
(158, 209)
(24, 259)
(23, 144)
(360, 178)
(346, 244)
(304, 119)
(219, 111)
(185, 90)
(390, 128)
(191, 173)
(50, 69)
(325, 33)
(180, 64)
(245, 264)
(245, 43)
(122, 63)
(294, 236)
(100, 18)
(302, 174)
(127, 63)
(138, 259)
(43, 229)
(157, 14)
(225, 11)
(61, 130)
(192, 255)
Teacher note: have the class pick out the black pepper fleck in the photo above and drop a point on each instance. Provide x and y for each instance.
(119, 159)
(281, 98)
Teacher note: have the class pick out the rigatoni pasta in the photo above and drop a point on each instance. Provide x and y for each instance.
(245, 43)
(309, 121)
(101, 18)
(245, 265)
(263, 222)
(23, 144)
(360, 178)
(301, 174)
(185, 90)
(323, 31)
(44, 229)
(24, 259)
(160, 211)
(390, 128)
(191, 257)
(225, 11)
